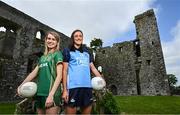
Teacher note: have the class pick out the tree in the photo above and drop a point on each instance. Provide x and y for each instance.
(172, 80)
(96, 43)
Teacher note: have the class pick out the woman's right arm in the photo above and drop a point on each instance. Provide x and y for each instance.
(64, 81)
(32, 75)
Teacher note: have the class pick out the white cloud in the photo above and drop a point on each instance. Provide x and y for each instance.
(172, 53)
(105, 19)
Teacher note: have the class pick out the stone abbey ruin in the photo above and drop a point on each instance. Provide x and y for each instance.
(136, 67)
(19, 48)
(133, 67)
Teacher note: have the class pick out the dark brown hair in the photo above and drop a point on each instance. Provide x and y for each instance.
(72, 37)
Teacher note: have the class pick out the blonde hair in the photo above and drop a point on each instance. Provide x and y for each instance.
(56, 35)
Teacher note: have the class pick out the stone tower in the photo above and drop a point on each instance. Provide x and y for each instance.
(152, 73)
(136, 67)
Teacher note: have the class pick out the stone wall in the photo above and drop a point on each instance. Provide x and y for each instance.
(19, 48)
(118, 68)
(136, 67)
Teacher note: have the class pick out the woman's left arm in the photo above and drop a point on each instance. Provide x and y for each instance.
(55, 85)
(57, 80)
(94, 70)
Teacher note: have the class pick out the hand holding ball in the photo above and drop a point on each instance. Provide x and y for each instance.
(98, 83)
(27, 89)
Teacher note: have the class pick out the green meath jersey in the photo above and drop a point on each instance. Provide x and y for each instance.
(47, 73)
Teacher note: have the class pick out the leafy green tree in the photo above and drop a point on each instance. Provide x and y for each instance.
(96, 43)
(174, 90)
(172, 79)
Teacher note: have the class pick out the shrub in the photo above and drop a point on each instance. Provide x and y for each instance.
(105, 103)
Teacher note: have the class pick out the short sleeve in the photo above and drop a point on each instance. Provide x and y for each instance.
(58, 57)
(90, 54)
(66, 55)
(90, 57)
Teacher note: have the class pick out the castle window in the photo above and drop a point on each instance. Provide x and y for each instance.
(136, 42)
(137, 48)
(148, 62)
(138, 82)
(113, 89)
(120, 49)
(40, 35)
(1, 70)
(137, 33)
(103, 52)
(2, 29)
(12, 31)
(8, 36)
(152, 43)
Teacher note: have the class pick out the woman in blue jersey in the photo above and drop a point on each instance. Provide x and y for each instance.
(77, 63)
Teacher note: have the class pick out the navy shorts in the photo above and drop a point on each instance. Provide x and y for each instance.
(80, 97)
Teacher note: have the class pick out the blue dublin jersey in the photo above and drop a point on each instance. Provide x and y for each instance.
(78, 67)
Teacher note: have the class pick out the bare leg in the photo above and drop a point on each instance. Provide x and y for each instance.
(53, 110)
(70, 110)
(86, 110)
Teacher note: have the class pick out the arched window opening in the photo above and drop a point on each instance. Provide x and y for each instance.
(113, 89)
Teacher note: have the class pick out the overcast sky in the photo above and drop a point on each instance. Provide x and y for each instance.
(110, 20)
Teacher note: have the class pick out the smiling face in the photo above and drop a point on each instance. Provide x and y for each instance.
(51, 42)
(78, 38)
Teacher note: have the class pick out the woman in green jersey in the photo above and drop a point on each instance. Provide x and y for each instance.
(49, 75)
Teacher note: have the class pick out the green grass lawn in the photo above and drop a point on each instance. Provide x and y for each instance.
(7, 108)
(131, 105)
(149, 104)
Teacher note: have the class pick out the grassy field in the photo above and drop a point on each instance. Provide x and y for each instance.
(7, 108)
(149, 104)
(131, 105)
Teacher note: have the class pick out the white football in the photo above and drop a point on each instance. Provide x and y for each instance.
(98, 83)
(28, 89)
